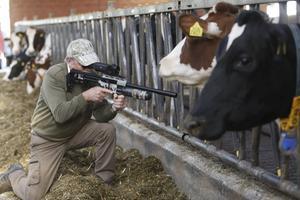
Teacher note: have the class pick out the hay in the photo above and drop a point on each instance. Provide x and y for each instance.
(136, 177)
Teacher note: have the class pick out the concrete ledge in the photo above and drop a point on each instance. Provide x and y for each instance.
(197, 175)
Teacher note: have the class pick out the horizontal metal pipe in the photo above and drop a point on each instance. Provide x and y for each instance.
(262, 175)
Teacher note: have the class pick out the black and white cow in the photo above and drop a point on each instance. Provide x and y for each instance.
(36, 40)
(19, 42)
(253, 83)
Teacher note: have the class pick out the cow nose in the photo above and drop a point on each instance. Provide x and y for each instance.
(191, 122)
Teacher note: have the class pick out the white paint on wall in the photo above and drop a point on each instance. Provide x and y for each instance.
(4, 18)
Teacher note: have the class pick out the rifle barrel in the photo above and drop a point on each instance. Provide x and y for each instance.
(157, 91)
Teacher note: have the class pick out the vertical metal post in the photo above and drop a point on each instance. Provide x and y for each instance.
(151, 62)
(121, 48)
(60, 41)
(159, 54)
(65, 38)
(167, 48)
(298, 11)
(89, 31)
(145, 80)
(254, 7)
(127, 49)
(283, 17)
(100, 38)
(114, 41)
(108, 41)
(135, 52)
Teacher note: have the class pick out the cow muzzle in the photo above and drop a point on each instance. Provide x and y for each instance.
(194, 125)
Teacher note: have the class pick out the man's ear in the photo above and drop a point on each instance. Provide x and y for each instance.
(67, 60)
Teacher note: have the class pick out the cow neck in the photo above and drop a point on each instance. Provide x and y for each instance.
(289, 124)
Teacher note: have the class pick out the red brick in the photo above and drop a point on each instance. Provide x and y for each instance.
(30, 8)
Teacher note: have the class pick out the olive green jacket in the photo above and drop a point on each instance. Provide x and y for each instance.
(60, 114)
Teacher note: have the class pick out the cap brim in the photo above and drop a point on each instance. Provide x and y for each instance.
(87, 59)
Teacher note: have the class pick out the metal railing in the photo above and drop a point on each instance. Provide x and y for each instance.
(136, 40)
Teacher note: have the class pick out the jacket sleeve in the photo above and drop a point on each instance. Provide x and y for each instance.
(103, 112)
(54, 94)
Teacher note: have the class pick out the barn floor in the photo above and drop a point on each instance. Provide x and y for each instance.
(136, 177)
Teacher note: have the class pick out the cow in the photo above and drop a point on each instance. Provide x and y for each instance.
(16, 70)
(35, 69)
(192, 60)
(19, 42)
(36, 41)
(253, 83)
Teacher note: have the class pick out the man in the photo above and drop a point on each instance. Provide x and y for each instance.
(62, 121)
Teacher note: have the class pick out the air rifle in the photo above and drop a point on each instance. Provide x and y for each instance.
(117, 84)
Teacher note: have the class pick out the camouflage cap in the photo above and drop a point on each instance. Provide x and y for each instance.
(83, 51)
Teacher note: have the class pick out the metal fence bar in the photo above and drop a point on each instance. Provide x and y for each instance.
(283, 17)
(121, 47)
(298, 11)
(114, 40)
(158, 33)
(146, 107)
(151, 63)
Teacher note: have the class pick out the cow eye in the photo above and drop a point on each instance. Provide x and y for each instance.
(242, 64)
(245, 61)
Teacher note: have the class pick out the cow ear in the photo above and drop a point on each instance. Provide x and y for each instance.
(192, 26)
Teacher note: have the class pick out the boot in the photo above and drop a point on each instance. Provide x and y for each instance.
(5, 185)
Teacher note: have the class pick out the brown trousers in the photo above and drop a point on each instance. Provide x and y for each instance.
(46, 156)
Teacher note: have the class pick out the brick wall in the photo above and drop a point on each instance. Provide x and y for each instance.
(33, 9)
(135, 3)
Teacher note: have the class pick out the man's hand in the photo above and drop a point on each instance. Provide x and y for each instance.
(96, 94)
(119, 102)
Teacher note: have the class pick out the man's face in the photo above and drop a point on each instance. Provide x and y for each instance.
(74, 64)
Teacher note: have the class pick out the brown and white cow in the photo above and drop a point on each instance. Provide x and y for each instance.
(192, 60)
(35, 69)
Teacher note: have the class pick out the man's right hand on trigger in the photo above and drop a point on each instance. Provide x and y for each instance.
(96, 94)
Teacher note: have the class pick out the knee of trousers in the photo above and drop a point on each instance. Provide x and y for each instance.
(109, 132)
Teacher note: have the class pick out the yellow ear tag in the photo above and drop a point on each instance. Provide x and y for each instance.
(196, 30)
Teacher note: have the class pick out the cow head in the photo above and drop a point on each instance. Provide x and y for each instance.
(191, 61)
(45, 53)
(18, 65)
(252, 84)
(19, 42)
(36, 40)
